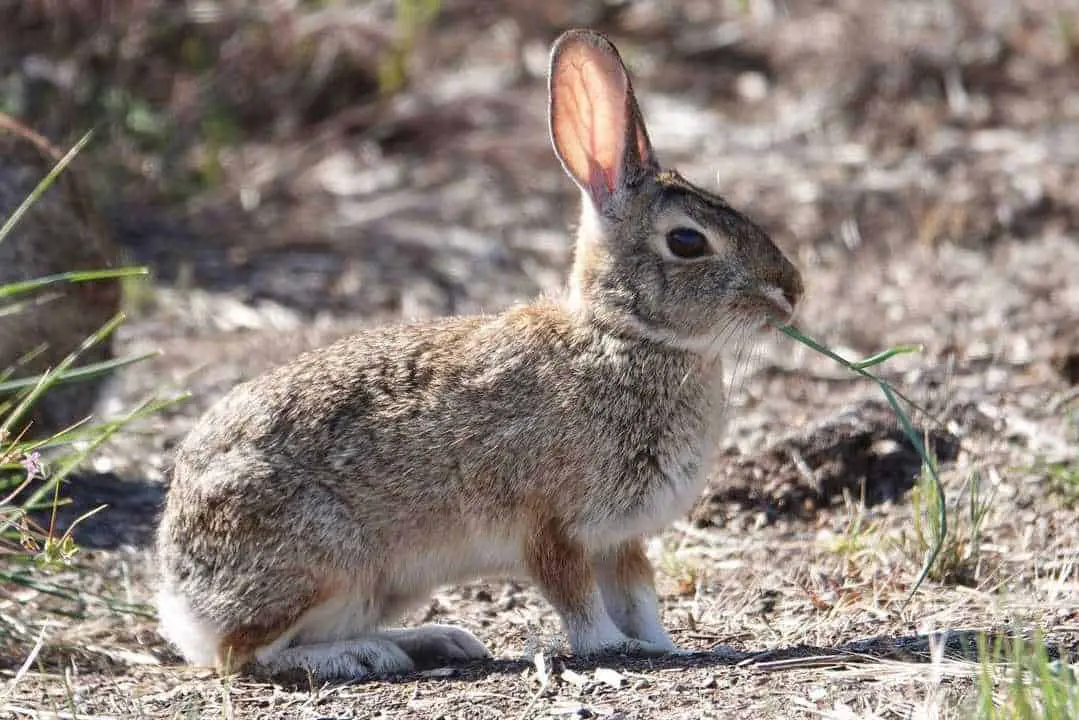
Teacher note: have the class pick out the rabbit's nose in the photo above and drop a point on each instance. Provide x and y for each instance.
(792, 296)
(792, 289)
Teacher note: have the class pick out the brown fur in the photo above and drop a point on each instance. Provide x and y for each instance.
(560, 566)
(631, 565)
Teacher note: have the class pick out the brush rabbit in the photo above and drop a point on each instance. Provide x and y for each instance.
(313, 505)
(62, 231)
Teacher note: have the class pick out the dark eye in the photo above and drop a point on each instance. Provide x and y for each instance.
(687, 243)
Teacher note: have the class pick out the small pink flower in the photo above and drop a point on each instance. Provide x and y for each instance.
(34, 466)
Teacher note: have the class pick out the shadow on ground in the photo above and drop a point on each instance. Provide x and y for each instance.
(860, 451)
(128, 520)
(952, 645)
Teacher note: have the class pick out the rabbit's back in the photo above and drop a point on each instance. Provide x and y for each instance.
(380, 418)
(62, 231)
(482, 421)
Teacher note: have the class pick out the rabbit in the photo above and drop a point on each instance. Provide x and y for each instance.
(62, 231)
(310, 507)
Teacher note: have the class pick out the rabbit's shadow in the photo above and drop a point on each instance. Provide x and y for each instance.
(103, 511)
(962, 645)
(480, 670)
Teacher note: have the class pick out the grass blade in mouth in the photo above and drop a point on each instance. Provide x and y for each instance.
(893, 397)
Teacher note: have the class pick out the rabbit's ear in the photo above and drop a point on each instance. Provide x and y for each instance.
(596, 127)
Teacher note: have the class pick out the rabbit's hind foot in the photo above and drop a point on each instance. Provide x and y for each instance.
(340, 660)
(429, 644)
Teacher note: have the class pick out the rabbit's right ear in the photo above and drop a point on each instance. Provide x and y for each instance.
(596, 128)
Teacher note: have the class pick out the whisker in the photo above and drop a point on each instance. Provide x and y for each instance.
(750, 351)
(716, 342)
(740, 335)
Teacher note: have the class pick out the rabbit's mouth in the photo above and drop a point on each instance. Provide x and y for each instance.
(778, 308)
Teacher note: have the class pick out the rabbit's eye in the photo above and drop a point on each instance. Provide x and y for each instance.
(687, 243)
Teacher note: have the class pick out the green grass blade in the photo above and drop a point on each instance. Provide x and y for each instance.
(25, 286)
(886, 355)
(930, 466)
(49, 378)
(83, 372)
(83, 432)
(100, 434)
(44, 185)
(893, 397)
(795, 334)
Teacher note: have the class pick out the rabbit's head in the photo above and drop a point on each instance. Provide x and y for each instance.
(656, 256)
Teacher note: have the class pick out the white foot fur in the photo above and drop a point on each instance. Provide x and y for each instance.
(631, 602)
(636, 613)
(343, 660)
(432, 643)
(595, 633)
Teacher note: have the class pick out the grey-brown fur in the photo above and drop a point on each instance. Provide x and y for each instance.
(61, 232)
(546, 440)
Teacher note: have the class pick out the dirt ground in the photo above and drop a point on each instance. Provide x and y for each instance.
(919, 161)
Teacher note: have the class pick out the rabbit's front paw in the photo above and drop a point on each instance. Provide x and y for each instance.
(641, 648)
(615, 643)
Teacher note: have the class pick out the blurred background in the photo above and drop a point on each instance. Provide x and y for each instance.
(391, 156)
(290, 170)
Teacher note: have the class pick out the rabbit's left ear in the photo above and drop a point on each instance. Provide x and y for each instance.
(596, 127)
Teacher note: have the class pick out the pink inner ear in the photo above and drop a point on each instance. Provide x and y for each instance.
(590, 114)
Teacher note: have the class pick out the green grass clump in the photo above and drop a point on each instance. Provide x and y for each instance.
(860, 536)
(1021, 679)
(1063, 475)
(959, 558)
(33, 469)
(1064, 479)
